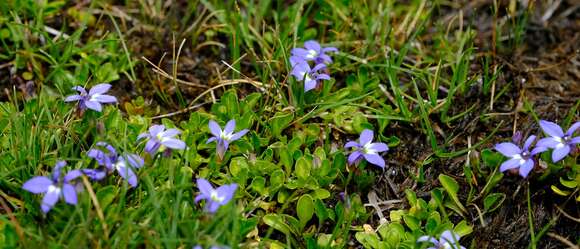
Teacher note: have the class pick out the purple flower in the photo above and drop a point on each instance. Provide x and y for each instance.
(561, 142)
(448, 240)
(54, 188)
(93, 99)
(366, 149)
(161, 139)
(312, 51)
(225, 137)
(214, 198)
(107, 157)
(302, 72)
(519, 158)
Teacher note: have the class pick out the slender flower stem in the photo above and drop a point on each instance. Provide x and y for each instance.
(530, 220)
(97, 206)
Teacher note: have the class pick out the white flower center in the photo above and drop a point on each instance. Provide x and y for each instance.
(53, 189)
(560, 142)
(94, 97)
(367, 149)
(215, 197)
(311, 54)
(226, 136)
(119, 165)
(518, 157)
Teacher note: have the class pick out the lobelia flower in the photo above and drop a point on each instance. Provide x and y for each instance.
(302, 72)
(214, 198)
(312, 51)
(93, 99)
(225, 137)
(366, 149)
(519, 158)
(110, 160)
(161, 139)
(561, 142)
(54, 188)
(448, 240)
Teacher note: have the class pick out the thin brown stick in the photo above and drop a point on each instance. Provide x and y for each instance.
(13, 220)
(166, 75)
(97, 206)
(563, 240)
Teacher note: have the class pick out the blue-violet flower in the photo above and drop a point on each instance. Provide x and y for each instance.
(93, 99)
(107, 157)
(366, 149)
(448, 240)
(561, 142)
(214, 198)
(54, 188)
(161, 139)
(302, 72)
(519, 158)
(225, 137)
(312, 51)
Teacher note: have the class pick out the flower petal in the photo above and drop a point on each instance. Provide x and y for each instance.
(152, 146)
(548, 142)
(143, 135)
(353, 157)
(366, 136)
(72, 175)
(103, 98)
(94, 105)
(551, 128)
(69, 193)
(227, 192)
(573, 128)
(94, 174)
(174, 143)
(559, 153)
(80, 89)
(428, 239)
(204, 186)
(37, 184)
(450, 237)
(239, 134)
(323, 76)
(509, 164)
(127, 174)
(230, 126)
(49, 200)
(575, 140)
(211, 139)
(526, 168)
(134, 160)
(375, 159)
(379, 147)
(309, 85)
(352, 144)
(298, 54)
(538, 150)
(73, 98)
(171, 133)
(312, 45)
(508, 149)
(529, 142)
(99, 89)
(329, 49)
(318, 67)
(154, 130)
(214, 128)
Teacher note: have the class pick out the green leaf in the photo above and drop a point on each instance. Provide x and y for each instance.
(303, 167)
(451, 186)
(279, 122)
(462, 228)
(259, 185)
(277, 222)
(493, 201)
(491, 158)
(305, 209)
